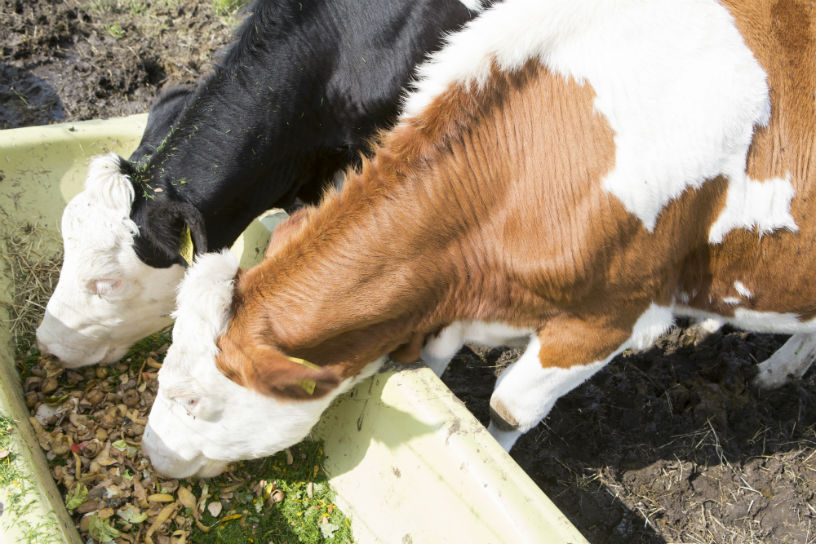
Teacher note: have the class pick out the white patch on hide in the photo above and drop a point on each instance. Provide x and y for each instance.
(752, 320)
(743, 290)
(731, 301)
(674, 79)
(650, 326)
(750, 204)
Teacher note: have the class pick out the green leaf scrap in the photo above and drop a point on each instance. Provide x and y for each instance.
(131, 514)
(328, 529)
(101, 531)
(76, 497)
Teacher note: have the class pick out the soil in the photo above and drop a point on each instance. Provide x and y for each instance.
(71, 60)
(672, 444)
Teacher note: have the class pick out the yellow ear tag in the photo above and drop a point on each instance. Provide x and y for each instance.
(307, 384)
(186, 245)
(303, 362)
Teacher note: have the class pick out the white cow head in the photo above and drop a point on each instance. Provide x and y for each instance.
(201, 420)
(106, 297)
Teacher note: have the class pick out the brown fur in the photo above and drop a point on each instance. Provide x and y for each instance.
(286, 229)
(488, 207)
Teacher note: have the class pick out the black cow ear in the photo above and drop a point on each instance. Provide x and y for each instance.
(173, 232)
(193, 238)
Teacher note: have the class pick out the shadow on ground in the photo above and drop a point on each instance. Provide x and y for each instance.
(671, 444)
(27, 100)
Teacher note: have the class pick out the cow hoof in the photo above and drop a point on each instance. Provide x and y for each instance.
(501, 418)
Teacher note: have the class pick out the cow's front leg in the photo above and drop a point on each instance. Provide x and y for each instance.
(561, 356)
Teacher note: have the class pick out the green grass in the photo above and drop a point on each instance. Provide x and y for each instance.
(298, 519)
(19, 491)
(133, 7)
(116, 31)
(228, 7)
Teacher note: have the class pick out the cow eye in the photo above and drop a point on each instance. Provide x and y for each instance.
(188, 403)
(105, 286)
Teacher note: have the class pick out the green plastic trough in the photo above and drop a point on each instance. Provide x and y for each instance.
(408, 462)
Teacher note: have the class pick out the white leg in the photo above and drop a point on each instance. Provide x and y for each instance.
(526, 392)
(440, 349)
(506, 439)
(790, 361)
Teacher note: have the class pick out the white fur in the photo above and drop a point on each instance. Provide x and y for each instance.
(201, 420)
(650, 326)
(440, 349)
(791, 360)
(751, 320)
(106, 297)
(203, 304)
(473, 5)
(743, 290)
(526, 391)
(710, 325)
(731, 301)
(753, 204)
(110, 188)
(674, 79)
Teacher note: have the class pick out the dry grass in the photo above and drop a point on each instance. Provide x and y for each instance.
(33, 264)
(709, 506)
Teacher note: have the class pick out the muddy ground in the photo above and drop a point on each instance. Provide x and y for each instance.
(668, 445)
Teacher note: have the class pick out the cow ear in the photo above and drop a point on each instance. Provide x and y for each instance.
(176, 229)
(271, 372)
(194, 233)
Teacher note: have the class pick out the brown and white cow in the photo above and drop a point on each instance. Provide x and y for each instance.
(571, 174)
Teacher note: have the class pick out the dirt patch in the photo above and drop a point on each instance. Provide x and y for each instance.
(76, 60)
(672, 444)
(669, 445)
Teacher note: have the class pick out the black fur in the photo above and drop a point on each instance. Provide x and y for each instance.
(296, 97)
(163, 114)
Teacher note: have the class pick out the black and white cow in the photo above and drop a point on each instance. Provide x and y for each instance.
(295, 98)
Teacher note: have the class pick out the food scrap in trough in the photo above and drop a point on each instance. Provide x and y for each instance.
(89, 422)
